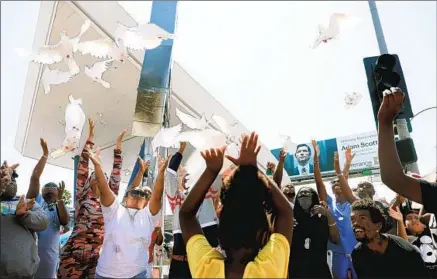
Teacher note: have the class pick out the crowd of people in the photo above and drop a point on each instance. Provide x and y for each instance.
(245, 225)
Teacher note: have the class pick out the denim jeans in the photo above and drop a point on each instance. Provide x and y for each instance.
(142, 274)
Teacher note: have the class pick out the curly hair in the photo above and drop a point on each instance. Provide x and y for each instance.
(377, 215)
(247, 202)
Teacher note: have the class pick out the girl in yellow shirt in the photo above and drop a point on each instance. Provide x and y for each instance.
(253, 248)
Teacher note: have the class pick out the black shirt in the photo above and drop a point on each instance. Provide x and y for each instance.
(426, 244)
(429, 196)
(400, 260)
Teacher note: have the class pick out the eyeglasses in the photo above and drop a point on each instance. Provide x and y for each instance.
(138, 193)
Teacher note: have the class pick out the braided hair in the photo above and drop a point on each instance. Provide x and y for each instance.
(247, 202)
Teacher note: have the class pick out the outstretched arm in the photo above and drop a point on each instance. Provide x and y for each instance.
(114, 180)
(155, 202)
(63, 215)
(187, 215)
(390, 166)
(321, 188)
(277, 175)
(344, 185)
(34, 186)
(83, 167)
(107, 197)
(347, 165)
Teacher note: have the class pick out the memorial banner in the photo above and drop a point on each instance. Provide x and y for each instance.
(299, 162)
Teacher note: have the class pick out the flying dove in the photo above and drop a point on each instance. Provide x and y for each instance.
(191, 122)
(337, 22)
(166, 137)
(62, 51)
(352, 99)
(105, 48)
(54, 77)
(74, 121)
(142, 37)
(96, 71)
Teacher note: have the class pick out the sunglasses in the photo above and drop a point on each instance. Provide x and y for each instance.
(138, 193)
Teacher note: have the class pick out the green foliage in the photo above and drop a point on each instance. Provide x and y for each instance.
(66, 197)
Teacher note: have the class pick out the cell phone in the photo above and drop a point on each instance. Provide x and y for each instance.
(269, 172)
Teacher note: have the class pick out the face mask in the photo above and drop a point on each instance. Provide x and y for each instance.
(305, 202)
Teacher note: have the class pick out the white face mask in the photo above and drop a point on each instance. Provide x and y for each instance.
(305, 202)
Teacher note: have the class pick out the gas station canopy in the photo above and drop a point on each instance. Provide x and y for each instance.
(42, 116)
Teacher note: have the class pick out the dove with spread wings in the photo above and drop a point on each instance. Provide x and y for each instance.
(287, 144)
(166, 137)
(95, 72)
(142, 37)
(54, 77)
(62, 51)
(191, 122)
(337, 22)
(74, 121)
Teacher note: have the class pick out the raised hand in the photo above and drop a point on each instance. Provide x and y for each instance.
(249, 151)
(396, 214)
(91, 128)
(94, 157)
(337, 163)
(182, 146)
(349, 155)
(214, 158)
(120, 139)
(44, 147)
(163, 163)
(6, 174)
(144, 165)
(271, 166)
(282, 155)
(322, 209)
(316, 150)
(23, 207)
(61, 190)
(391, 105)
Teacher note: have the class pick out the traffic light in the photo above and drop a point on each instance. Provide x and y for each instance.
(383, 72)
(406, 151)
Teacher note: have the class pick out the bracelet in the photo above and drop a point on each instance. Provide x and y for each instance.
(44, 156)
(60, 200)
(331, 225)
(339, 174)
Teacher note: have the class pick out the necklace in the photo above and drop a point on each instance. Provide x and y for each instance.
(132, 217)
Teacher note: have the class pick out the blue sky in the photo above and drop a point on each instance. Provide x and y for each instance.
(257, 54)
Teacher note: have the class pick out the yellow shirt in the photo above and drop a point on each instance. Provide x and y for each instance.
(207, 262)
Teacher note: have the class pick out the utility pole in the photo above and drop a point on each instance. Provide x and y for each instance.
(401, 124)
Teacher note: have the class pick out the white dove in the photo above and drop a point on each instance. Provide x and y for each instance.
(54, 77)
(96, 71)
(228, 130)
(141, 37)
(202, 139)
(191, 122)
(352, 99)
(337, 22)
(62, 51)
(287, 144)
(166, 137)
(105, 48)
(74, 121)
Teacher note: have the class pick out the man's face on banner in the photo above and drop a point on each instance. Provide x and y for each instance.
(302, 154)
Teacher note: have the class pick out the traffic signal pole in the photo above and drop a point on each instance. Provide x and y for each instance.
(401, 124)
